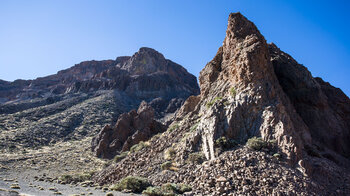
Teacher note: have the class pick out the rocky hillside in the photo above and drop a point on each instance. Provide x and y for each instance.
(79, 101)
(262, 125)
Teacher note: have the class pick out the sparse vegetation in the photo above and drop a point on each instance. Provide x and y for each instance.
(225, 143)
(168, 189)
(132, 183)
(169, 154)
(256, 143)
(233, 91)
(196, 158)
(120, 156)
(211, 103)
(277, 155)
(139, 146)
(75, 178)
(173, 127)
(166, 165)
(194, 127)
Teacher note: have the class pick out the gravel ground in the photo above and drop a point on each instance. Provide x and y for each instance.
(29, 186)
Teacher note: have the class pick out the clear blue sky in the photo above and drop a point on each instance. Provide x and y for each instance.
(39, 38)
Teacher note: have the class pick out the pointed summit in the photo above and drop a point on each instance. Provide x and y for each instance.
(145, 61)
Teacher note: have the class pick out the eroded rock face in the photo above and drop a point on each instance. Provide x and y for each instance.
(241, 96)
(130, 129)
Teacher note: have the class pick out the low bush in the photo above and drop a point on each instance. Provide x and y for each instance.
(139, 146)
(169, 154)
(120, 156)
(194, 127)
(166, 165)
(233, 91)
(173, 127)
(277, 155)
(196, 158)
(168, 189)
(225, 143)
(256, 143)
(211, 103)
(132, 183)
(75, 178)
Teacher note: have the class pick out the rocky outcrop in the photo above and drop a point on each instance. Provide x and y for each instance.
(251, 89)
(130, 129)
(242, 76)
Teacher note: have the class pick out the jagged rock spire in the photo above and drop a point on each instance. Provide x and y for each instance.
(241, 75)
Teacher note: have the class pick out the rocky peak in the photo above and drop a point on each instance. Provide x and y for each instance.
(241, 74)
(145, 61)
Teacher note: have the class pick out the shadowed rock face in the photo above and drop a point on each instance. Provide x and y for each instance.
(322, 107)
(130, 129)
(251, 88)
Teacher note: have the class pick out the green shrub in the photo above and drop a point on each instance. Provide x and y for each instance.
(233, 91)
(256, 143)
(225, 143)
(166, 165)
(196, 158)
(211, 103)
(132, 183)
(182, 188)
(75, 178)
(169, 154)
(139, 146)
(173, 127)
(194, 127)
(168, 189)
(120, 156)
(277, 155)
(153, 191)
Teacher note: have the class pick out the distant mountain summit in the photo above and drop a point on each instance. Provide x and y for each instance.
(79, 100)
(144, 74)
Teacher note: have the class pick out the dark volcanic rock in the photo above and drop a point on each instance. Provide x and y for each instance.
(130, 129)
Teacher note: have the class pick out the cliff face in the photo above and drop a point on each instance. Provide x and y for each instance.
(79, 101)
(323, 108)
(251, 89)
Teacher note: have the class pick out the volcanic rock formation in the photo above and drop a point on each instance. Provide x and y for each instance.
(251, 88)
(130, 129)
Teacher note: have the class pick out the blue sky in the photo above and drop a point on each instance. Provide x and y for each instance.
(39, 38)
